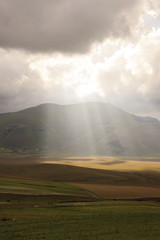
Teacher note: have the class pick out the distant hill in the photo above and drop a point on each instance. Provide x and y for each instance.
(78, 129)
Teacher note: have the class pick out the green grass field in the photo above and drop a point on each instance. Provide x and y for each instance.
(102, 220)
(36, 210)
(36, 187)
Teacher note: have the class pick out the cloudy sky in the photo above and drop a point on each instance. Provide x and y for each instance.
(68, 51)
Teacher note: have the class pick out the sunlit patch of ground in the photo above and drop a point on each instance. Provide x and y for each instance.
(98, 162)
(110, 163)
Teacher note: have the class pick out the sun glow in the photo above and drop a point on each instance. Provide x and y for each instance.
(87, 89)
(111, 70)
(79, 74)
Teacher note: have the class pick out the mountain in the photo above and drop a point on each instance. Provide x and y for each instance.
(78, 129)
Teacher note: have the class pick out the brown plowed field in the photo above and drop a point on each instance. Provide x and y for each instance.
(120, 192)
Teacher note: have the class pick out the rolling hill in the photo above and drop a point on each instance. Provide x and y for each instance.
(74, 174)
(79, 129)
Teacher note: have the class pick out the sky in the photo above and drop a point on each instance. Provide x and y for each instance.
(70, 51)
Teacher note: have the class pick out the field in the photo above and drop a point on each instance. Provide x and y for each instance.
(62, 202)
(10, 185)
(98, 162)
(104, 191)
(60, 220)
(67, 173)
(109, 163)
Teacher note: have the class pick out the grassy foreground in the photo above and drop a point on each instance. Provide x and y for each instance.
(102, 220)
(36, 210)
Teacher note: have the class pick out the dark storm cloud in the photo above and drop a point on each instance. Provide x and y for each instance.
(63, 25)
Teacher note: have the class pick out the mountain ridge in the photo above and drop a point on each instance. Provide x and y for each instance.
(83, 128)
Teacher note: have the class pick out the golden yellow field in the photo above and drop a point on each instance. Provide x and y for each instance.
(110, 163)
(98, 162)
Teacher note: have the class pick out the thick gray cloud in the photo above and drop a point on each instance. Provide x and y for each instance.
(64, 25)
